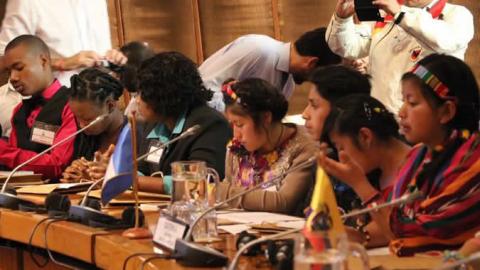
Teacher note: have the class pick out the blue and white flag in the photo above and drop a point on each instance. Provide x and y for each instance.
(119, 174)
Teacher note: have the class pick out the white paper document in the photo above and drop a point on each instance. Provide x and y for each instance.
(256, 217)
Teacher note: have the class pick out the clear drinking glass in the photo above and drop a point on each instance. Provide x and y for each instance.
(193, 188)
(319, 251)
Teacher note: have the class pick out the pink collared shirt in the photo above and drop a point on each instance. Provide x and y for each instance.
(52, 164)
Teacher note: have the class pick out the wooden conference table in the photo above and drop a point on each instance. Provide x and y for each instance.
(98, 248)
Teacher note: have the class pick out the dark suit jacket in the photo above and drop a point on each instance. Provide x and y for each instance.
(209, 144)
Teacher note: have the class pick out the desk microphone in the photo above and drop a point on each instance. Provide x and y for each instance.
(189, 132)
(11, 201)
(454, 265)
(192, 254)
(406, 198)
(86, 214)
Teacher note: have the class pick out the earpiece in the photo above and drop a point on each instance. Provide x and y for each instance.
(244, 238)
(128, 217)
(110, 222)
(279, 252)
(57, 205)
(93, 203)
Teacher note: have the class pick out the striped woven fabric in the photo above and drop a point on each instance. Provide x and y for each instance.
(448, 215)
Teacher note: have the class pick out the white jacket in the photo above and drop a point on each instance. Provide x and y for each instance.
(394, 49)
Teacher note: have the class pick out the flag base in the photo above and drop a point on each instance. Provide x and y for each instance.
(137, 233)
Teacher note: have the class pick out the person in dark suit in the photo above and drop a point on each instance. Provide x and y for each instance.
(172, 99)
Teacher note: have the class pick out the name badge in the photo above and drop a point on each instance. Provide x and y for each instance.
(168, 230)
(156, 156)
(43, 133)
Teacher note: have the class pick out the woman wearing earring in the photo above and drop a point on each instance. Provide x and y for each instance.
(264, 148)
(94, 93)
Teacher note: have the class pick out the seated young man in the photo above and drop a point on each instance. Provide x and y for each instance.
(42, 120)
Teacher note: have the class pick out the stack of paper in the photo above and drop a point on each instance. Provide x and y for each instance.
(60, 188)
(21, 178)
(260, 221)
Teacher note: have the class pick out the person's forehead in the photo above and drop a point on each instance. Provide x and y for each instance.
(20, 53)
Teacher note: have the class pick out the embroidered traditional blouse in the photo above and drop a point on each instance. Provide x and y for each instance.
(244, 169)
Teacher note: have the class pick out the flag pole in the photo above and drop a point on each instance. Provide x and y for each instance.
(136, 232)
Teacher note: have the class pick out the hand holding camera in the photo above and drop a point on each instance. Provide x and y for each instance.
(345, 8)
(389, 6)
(366, 10)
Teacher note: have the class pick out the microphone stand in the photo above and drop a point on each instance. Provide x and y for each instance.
(404, 199)
(192, 254)
(12, 201)
(269, 183)
(85, 214)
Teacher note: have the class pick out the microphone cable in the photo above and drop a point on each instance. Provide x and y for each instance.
(49, 252)
(31, 247)
(154, 255)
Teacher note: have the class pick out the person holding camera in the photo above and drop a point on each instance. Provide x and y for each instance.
(409, 32)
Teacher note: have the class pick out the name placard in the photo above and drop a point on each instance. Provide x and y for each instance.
(168, 230)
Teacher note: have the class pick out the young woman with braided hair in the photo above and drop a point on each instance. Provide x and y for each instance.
(94, 93)
(264, 148)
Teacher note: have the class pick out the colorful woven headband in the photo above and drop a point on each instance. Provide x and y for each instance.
(431, 80)
(227, 89)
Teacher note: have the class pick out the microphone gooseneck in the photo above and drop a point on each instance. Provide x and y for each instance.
(189, 132)
(85, 214)
(98, 119)
(266, 184)
(84, 199)
(406, 198)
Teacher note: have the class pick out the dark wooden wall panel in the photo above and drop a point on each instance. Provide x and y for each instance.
(164, 24)
(224, 20)
(473, 52)
(298, 16)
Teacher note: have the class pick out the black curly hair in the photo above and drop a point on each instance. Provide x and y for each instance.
(353, 112)
(254, 97)
(170, 83)
(94, 85)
